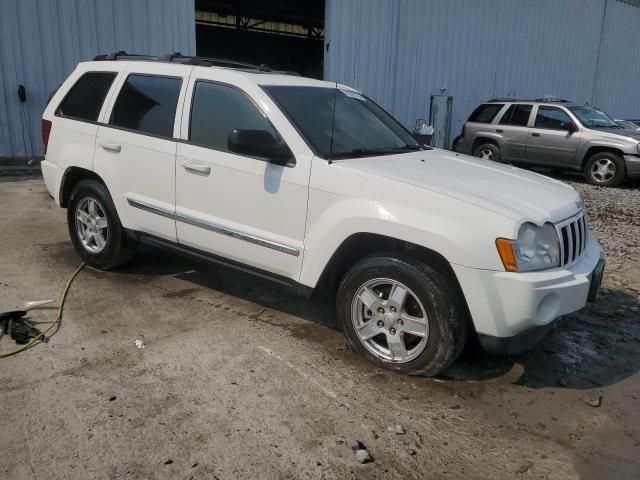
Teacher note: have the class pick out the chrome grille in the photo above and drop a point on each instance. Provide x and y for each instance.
(573, 238)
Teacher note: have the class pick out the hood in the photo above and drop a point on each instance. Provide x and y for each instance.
(515, 193)
(618, 133)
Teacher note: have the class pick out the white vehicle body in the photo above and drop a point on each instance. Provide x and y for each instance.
(289, 221)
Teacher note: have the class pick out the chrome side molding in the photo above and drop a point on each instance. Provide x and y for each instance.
(215, 227)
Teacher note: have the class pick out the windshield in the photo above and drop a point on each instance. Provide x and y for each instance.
(340, 123)
(592, 117)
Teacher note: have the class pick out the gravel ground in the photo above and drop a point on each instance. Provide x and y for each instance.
(239, 379)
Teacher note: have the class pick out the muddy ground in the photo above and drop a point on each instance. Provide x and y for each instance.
(239, 379)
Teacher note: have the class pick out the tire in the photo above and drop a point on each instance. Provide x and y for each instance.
(605, 169)
(488, 151)
(113, 249)
(432, 300)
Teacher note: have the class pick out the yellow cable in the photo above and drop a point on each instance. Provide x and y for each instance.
(35, 340)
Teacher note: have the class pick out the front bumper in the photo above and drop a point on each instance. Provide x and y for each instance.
(632, 166)
(507, 305)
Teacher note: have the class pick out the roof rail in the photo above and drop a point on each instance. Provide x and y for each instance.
(177, 57)
(552, 100)
(510, 99)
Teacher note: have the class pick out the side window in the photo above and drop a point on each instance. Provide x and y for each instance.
(485, 113)
(217, 110)
(147, 103)
(552, 118)
(517, 114)
(85, 98)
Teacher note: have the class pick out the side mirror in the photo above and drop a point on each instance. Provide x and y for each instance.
(259, 143)
(571, 128)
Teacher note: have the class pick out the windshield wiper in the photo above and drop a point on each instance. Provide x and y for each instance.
(364, 152)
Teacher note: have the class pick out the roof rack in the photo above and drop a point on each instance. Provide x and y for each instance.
(552, 100)
(177, 57)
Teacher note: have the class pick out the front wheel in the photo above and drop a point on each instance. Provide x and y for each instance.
(488, 151)
(605, 169)
(402, 314)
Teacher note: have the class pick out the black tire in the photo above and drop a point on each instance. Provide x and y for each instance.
(614, 174)
(445, 310)
(481, 150)
(117, 249)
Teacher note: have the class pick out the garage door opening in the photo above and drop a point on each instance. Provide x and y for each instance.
(283, 34)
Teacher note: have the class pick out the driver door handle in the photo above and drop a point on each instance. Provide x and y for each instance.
(535, 134)
(197, 168)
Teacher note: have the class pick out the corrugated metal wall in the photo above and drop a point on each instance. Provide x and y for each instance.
(41, 41)
(400, 52)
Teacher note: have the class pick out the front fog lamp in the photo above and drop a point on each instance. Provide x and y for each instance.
(536, 248)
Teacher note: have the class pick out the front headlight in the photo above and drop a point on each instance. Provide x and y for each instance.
(536, 248)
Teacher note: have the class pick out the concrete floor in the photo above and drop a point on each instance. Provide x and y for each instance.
(239, 379)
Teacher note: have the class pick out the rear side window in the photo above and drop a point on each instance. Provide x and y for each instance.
(517, 114)
(217, 110)
(552, 118)
(147, 104)
(85, 98)
(485, 113)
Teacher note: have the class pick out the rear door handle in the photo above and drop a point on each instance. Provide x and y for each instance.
(535, 134)
(499, 130)
(197, 168)
(111, 147)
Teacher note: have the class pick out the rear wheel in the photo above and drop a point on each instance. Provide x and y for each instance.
(605, 169)
(488, 151)
(402, 314)
(94, 226)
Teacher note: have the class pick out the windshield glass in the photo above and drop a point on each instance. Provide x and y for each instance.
(592, 117)
(341, 123)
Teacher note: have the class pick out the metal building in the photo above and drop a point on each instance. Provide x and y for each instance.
(41, 41)
(440, 59)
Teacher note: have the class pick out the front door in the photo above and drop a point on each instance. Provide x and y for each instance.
(239, 207)
(553, 140)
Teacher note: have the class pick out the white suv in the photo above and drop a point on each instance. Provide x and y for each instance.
(311, 184)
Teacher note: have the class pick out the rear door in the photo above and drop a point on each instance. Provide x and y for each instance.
(136, 146)
(513, 126)
(551, 141)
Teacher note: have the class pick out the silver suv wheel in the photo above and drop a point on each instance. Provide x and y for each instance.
(486, 154)
(390, 320)
(603, 170)
(92, 226)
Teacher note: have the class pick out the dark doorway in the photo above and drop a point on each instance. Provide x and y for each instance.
(283, 34)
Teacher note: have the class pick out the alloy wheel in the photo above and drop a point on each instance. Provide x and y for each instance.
(603, 170)
(390, 320)
(92, 226)
(486, 154)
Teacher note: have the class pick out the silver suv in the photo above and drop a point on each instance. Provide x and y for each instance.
(554, 134)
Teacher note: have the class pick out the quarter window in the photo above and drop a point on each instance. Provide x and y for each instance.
(485, 113)
(86, 97)
(217, 110)
(147, 103)
(552, 118)
(517, 115)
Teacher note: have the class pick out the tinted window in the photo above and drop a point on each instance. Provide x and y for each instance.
(552, 118)
(85, 98)
(148, 104)
(217, 110)
(517, 114)
(485, 113)
(340, 123)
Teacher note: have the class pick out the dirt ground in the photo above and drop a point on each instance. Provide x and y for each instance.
(240, 379)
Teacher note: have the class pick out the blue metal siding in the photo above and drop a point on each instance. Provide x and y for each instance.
(400, 52)
(41, 41)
